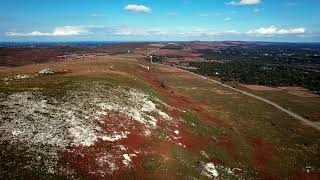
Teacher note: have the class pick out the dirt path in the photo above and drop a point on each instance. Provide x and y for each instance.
(290, 113)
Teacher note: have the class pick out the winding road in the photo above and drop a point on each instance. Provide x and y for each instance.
(290, 113)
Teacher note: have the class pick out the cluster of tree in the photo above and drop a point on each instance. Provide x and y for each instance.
(266, 54)
(2, 51)
(173, 47)
(263, 74)
(162, 58)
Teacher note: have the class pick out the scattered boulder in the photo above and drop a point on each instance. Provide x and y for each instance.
(66, 71)
(47, 71)
(21, 76)
(214, 139)
(308, 169)
(236, 169)
(162, 84)
(210, 171)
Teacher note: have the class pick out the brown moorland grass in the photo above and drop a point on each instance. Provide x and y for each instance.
(297, 99)
(252, 137)
(252, 119)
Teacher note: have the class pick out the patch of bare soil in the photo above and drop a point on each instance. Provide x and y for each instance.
(303, 94)
(213, 90)
(156, 45)
(118, 159)
(102, 65)
(259, 88)
(263, 152)
(298, 91)
(226, 143)
(307, 176)
(186, 53)
(294, 90)
(22, 56)
(97, 132)
(181, 101)
(164, 69)
(114, 158)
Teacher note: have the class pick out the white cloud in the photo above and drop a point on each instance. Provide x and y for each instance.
(34, 33)
(199, 32)
(244, 2)
(208, 33)
(137, 8)
(292, 31)
(58, 31)
(144, 32)
(70, 31)
(227, 19)
(232, 32)
(124, 31)
(273, 30)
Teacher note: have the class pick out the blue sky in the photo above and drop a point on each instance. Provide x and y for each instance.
(160, 20)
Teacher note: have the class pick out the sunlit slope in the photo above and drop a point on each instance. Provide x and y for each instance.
(118, 116)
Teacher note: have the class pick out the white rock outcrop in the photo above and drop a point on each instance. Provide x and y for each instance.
(47, 71)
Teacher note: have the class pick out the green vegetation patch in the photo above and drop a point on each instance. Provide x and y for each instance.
(58, 85)
(200, 127)
(13, 163)
(187, 164)
(159, 133)
(263, 74)
(173, 47)
(154, 164)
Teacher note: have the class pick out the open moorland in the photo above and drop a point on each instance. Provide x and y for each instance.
(288, 74)
(112, 112)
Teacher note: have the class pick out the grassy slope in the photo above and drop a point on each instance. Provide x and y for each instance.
(297, 146)
(307, 107)
(294, 146)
